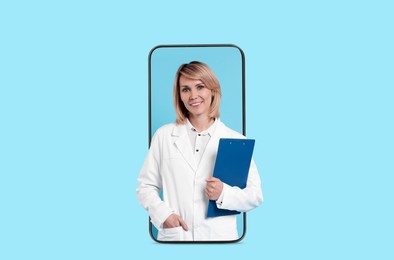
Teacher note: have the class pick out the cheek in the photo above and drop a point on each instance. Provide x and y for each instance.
(208, 97)
(184, 97)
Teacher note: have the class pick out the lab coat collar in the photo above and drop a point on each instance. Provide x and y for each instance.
(182, 142)
(180, 130)
(212, 146)
(208, 131)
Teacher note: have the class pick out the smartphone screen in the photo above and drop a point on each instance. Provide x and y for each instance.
(228, 64)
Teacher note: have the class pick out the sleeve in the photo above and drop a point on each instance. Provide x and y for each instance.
(234, 198)
(150, 185)
(220, 199)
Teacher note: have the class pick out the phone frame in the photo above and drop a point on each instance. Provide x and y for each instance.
(150, 130)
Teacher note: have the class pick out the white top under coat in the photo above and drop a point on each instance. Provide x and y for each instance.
(199, 140)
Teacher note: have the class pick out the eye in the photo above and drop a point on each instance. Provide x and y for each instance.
(185, 90)
(199, 87)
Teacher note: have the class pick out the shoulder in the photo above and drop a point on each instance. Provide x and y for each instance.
(162, 133)
(165, 129)
(170, 130)
(228, 132)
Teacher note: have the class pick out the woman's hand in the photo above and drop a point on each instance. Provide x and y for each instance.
(174, 221)
(214, 188)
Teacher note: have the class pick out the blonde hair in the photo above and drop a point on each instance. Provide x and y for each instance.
(197, 71)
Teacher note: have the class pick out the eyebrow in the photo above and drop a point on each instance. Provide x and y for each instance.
(198, 84)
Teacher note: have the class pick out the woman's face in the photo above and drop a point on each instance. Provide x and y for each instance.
(195, 96)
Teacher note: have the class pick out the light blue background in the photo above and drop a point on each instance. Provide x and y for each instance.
(73, 125)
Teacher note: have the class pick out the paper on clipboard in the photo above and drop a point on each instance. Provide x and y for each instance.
(231, 167)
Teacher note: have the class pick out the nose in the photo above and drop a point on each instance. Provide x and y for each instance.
(193, 94)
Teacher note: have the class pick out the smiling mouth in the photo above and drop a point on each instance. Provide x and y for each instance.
(195, 104)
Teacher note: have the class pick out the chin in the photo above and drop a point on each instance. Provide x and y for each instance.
(198, 114)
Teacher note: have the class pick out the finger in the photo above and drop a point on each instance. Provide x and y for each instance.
(212, 179)
(212, 184)
(183, 224)
(208, 194)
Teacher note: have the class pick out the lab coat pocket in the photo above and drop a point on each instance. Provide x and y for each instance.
(170, 234)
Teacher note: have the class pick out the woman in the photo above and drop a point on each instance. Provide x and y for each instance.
(181, 160)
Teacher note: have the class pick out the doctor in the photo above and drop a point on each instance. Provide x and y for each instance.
(180, 163)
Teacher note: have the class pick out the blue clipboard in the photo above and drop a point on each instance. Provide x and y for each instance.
(231, 167)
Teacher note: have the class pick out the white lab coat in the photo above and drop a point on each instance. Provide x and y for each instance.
(170, 167)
